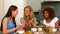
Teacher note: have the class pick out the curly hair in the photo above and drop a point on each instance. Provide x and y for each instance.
(51, 12)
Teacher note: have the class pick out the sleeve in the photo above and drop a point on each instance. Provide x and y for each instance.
(35, 21)
(55, 19)
(21, 20)
(44, 22)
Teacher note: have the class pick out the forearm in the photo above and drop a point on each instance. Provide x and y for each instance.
(44, 27)
(8, 31)
(56, 24)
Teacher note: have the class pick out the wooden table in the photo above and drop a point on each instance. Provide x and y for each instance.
(57, 32)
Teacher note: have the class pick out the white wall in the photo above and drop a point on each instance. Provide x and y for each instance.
(19, 3)
(36, 4)
(1, 10)
(51, 0)
(55, 0)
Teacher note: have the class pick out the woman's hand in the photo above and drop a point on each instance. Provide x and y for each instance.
(18, 27)
(23, 23)
(31, 21)
(57, 24)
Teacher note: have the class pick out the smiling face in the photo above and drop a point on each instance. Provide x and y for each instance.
(46, 14)
(49, 12)
(14, 13)
(27, 12)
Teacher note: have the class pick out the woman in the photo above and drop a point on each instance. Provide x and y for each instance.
(28, 20)
(50, 19)
(8, 25)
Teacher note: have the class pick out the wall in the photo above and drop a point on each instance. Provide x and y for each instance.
(19, 3)
(55, 0)
(36, 4)
(51, 0)
(55, 5)
(1, 10)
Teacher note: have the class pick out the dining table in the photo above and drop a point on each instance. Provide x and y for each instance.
(40, 32)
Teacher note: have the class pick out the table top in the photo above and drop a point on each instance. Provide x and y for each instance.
(43, 32)
(57, 32)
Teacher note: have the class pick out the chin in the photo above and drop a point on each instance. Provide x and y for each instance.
(14, 16)
(46, 17)
(26, 15)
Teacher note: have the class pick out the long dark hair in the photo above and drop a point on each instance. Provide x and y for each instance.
(9, 14)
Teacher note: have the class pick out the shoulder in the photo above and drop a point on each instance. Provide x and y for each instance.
(21, 19)
(55, 19)
(44, 21)
(5, 20)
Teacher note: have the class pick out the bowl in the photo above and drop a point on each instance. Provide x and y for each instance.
(36, 32)
(20, 31)
(54, 29)
(39, 29)
(33, 29)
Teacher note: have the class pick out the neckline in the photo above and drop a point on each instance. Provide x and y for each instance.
(50, 21)
(10, 21)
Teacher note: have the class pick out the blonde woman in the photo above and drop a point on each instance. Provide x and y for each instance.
(28, 18)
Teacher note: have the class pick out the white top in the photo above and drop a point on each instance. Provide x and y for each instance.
(52, 23)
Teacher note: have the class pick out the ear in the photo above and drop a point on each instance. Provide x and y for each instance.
(12, 11)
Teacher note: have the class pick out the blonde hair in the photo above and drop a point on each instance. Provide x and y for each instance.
(31, 12)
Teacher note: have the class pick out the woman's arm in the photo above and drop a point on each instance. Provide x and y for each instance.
(5, 23)
(57, 24)
(31, 22)
(44, 26)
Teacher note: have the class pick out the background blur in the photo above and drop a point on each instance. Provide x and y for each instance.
(36, 5)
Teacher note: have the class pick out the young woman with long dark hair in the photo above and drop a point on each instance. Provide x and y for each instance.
(8, 24)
